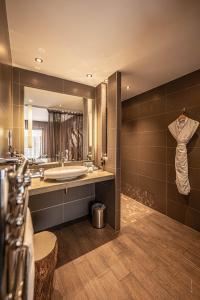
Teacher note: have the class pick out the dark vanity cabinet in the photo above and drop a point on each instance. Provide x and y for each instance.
(61, 206)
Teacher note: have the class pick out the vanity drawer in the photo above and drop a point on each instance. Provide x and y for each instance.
(37, 202)
(80, 192)
(46, 218)
(76, 209)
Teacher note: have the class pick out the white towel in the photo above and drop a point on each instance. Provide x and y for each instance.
(30, 263)
(182, 132)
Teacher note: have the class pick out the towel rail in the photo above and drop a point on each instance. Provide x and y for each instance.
(13, 208)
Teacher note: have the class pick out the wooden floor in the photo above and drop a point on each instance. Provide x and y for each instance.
(153, 257)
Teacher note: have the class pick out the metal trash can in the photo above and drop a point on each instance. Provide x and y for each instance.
(98, 215)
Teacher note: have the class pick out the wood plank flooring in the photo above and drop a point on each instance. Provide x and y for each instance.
(153, 257)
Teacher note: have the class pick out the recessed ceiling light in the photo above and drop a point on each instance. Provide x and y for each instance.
(89, 75)
(128, 87)
(39, 60)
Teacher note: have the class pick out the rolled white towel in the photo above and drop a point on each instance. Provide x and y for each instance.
(30, 263)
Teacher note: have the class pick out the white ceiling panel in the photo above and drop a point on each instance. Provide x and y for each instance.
(149, 41)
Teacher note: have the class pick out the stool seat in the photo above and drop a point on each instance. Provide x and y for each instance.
(45, 252)
(44, 242)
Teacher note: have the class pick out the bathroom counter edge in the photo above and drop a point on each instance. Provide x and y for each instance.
(40, 186)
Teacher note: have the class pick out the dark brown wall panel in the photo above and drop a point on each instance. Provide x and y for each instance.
(6, 108)
(113, 164)
(148, 149)
(109, 192)
(51, 83)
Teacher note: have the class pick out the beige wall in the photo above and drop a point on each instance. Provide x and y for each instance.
(6, 108)
(101, 123)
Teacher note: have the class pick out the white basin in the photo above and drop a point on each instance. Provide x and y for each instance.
(64, 173)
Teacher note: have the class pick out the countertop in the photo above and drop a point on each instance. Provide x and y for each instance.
(44, 186)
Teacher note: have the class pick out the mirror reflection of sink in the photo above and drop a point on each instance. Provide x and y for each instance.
(65, 173)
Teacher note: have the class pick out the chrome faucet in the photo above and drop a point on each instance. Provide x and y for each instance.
(89, 156)
(104, 158)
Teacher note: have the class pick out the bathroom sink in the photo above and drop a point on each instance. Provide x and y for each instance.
(65, 173)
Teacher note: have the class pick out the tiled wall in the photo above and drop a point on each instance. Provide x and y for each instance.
(22, 78)
(6, 109)
(148, 149)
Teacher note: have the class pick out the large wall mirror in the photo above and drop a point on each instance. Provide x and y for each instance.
(57, 126)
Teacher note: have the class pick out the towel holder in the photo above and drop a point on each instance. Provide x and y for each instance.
(13, 201)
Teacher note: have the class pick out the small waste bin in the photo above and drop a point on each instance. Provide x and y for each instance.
(98, 215)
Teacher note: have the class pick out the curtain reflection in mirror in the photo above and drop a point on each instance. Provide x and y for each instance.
(65, 135)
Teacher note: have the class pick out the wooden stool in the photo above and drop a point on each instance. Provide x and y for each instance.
(45, 251)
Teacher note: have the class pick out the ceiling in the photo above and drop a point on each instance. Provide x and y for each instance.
(42, 98)
(150, 41)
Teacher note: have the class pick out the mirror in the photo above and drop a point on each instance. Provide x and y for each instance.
(57, 126)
